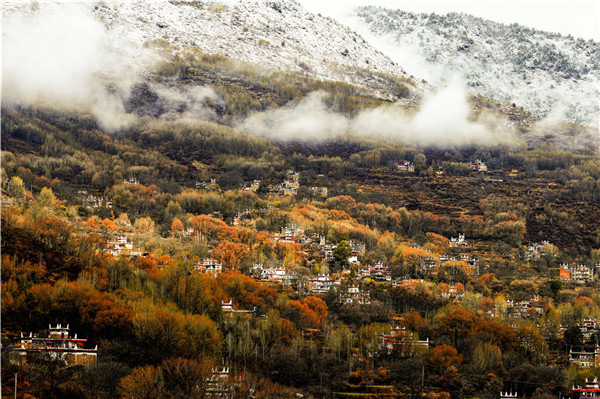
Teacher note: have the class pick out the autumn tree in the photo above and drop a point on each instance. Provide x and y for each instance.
(233, 255)
(177, 227)
(443, 357)
(457, 324)
(109, 226)
(123, 222)
(16, 188)
(144, 225)
(145, 382)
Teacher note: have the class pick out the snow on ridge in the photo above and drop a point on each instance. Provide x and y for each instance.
(278, 35)
(549, 74)
(274, 34)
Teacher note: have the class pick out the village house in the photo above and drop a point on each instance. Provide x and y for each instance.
(591, 390)
(429, 264)
(405, 166)
(409, 284)
(131, 180)
(534, 307)
(585, 358)
(290, 234)
(237, 218)
(276, 274)
(209, 185)
(354, 295)
(273, 274)
(451, 292)
(358, 249)
(478, 166)
(536, 250)
(579, 274)
(122, 247)
(227, 308)
(219, 384)
(588, 327)
(252, 186)
(327, 250)
(209, 266)
(458, 241)
(379, 272)
(58, 345)
(322, 283)
(91, 202)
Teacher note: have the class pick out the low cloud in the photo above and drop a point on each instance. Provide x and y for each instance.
(442, 121)
(187, 102)
(309, 120)
(60, 54)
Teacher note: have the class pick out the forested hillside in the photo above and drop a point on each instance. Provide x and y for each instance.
(218, 228)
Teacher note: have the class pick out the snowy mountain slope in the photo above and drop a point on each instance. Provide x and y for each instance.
(274, 34)
(278, 35)
(546, 73)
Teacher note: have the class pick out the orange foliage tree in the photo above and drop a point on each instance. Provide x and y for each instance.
(177, 227)
(233, 255)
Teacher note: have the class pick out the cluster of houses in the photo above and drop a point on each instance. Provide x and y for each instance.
(57, 344)
(290, 184)
(407, 166)
(288, 187)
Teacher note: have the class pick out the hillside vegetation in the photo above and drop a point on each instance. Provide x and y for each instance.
(199, 260)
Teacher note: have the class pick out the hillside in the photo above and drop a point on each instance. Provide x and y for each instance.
(546, 73)
(278, 35)
(194, 205)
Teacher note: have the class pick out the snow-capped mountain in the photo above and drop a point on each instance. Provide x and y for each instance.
(273, 34)
(277, 35)
(546, 73)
